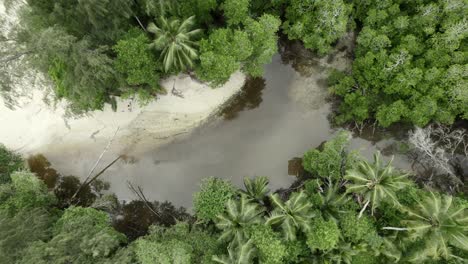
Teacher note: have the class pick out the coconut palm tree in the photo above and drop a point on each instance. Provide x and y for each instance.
(174, 38)
(291, 215)
(375, 182)
(241, 254)
(440, 224)
(257, 188)
(237, 217)
(330, 202)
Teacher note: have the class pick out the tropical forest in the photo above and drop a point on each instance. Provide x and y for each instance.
(233, 131)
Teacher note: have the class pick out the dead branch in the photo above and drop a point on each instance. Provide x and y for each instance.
(139, 193)
(100, 156)
(94, 178)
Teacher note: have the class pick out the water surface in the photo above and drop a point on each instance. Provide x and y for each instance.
(276, 119)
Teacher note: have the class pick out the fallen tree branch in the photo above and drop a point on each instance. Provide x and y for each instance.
(84, 184)
(139, 193)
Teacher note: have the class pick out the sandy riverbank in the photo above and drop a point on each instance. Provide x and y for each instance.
(35, 126)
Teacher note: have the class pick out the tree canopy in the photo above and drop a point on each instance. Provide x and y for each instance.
(409, 64)
(322, 220)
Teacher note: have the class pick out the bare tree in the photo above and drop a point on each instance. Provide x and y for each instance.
(436, 146)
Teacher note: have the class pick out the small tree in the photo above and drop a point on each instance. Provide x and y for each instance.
(211, 200)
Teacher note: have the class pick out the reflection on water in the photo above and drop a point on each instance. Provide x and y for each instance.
(42, 168)
(259, 141)
(301, 59)
(287, 116)
(250, 97)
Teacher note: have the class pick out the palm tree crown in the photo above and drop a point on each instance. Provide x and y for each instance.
(330, 202)
(257, 188)
(243, 253)
(174, 40)
(237, 217)
(291, 215)
(440, 223)
(375, 182)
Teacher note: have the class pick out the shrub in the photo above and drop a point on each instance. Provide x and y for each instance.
(211, 199)
(332, 160)
(9, 162)
(323, 235)
(270, 247)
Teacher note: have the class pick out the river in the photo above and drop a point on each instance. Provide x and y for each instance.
(276, 118)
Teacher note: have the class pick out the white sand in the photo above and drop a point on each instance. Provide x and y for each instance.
(34, 126)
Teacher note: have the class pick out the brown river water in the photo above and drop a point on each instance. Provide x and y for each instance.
(275, 118)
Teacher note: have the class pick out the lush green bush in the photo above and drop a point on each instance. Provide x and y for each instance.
(356, 229)
(222, 53)
(211, 200)
(323, 235)
(25, 192)
(228, 50)
(318, 24)
(236, 11)
(9, 162)
(333, 160)
(176, 244)
(81, 235)
(136, 62)
(271, 249)
(19, 231)
(262, 33)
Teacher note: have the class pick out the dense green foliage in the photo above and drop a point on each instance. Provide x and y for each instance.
(409, 58)
(323, 235)
(410, 63)
(92, 51)
(317, 23)
(271, 249)
(177, 244)
(332, 161)
(236, 11)
(9, 162)
(212, 198)
(81, 235)
(221, 54)
(248, 48)
(25, 191)
(136, 62)
(320, 222)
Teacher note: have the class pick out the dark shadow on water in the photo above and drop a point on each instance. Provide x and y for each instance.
(301, 59)
(43, 170)
(64, 187)
(249, 98)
